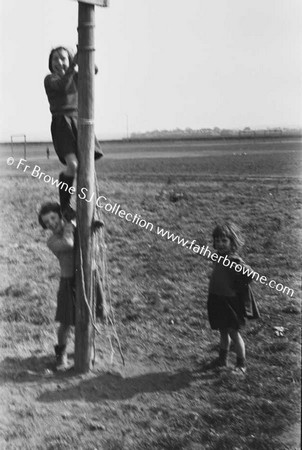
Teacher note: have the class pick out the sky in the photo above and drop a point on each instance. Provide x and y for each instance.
(163, 64)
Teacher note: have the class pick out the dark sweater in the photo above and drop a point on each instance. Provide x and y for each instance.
(226, 281)
(62, 93)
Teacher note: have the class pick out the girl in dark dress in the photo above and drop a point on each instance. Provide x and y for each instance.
(226, 310)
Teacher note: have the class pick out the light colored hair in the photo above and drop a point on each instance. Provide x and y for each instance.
(231, 231)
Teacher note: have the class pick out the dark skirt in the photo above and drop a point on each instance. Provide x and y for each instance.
(66, 302)
(225, 312)
(64, 132)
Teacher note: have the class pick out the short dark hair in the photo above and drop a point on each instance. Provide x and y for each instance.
(231, 231)
(70, 56)
(47, 208)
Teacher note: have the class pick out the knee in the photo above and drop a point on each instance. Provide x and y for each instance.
(72, 166)
(234, 334)
(224, 333)
(67, 328)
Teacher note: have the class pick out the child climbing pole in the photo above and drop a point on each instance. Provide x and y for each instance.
(61, 87)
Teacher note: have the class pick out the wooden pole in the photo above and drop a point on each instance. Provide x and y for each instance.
(84, 332)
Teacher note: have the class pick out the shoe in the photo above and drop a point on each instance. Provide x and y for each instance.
(97, 224)
(222, 358)
(64, 193)
(221, 362)
(240, 370)
(61, 358)
(240, 365)
(98, 155)
(69, 213)
(217, 363)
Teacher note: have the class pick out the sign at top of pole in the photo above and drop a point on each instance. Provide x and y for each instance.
(103, 3)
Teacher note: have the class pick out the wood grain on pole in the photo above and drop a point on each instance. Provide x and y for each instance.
(84, 332)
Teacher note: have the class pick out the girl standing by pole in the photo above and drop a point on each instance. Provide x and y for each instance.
(61, 243)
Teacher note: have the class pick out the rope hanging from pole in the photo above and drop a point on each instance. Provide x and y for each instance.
(106, 283)
(99, 266)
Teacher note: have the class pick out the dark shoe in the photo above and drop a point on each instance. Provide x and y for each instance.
(69, 213)
(98, 155)
(97, 150)
(222, 359)
(221, 363)
(97, 224)
(61, 357)
(216, 364)
(64, 190)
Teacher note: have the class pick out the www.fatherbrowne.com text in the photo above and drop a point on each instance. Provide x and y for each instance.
(103, 203)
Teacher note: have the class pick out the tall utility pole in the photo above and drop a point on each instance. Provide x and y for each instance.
(127, 127)
(84, 332)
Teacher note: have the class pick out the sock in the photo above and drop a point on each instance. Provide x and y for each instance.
(64, 191)
(223, 354)
(60, 349)
(240, 362)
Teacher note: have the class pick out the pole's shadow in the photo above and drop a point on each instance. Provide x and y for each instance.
(103, 386)
(109, 386)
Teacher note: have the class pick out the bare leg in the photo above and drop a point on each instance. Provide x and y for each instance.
(224, 347)
(239, 343)
(60, 349)
(67, 178)
(63, 333)
(240, 351)
(71, 165)
(224, 339)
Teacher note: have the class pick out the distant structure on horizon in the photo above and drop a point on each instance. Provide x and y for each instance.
(177, 134)
(217, 133)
